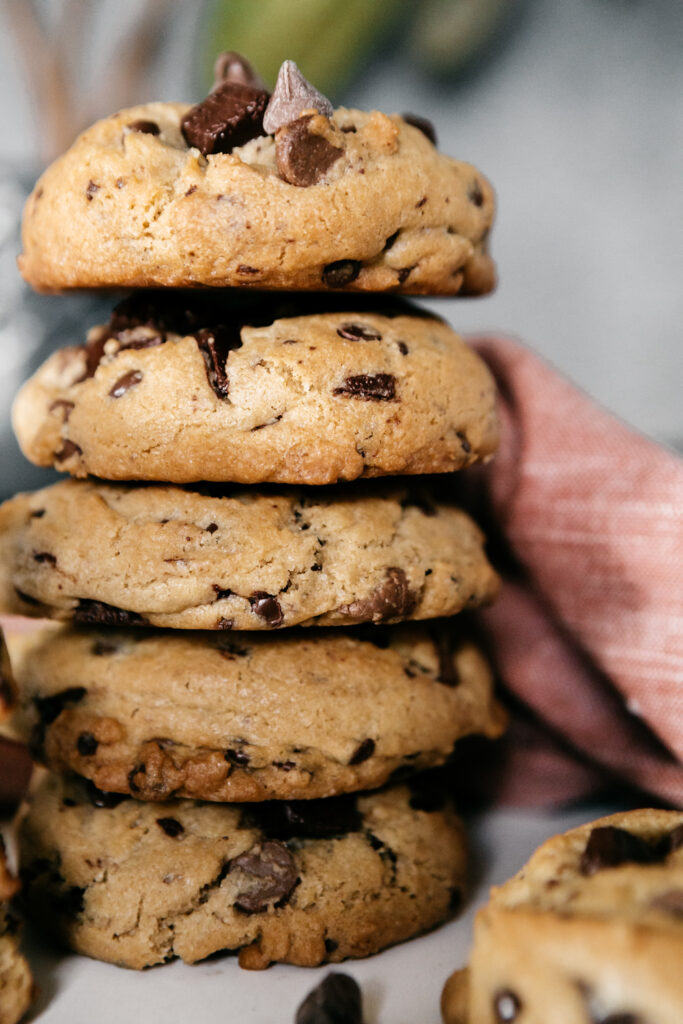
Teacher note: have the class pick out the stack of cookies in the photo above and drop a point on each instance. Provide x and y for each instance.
(221, 777)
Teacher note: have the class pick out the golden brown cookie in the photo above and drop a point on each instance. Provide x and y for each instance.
(16, 982)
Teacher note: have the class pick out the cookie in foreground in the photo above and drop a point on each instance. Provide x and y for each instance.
(138, 884)
(590, 931)
(16, 982)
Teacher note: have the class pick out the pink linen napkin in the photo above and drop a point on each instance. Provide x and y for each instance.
(588, 631)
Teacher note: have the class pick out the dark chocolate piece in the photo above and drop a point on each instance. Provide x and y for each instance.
(341, 273)
(393, 599)
(371, 387)
(268, 607)
(67, 450)
(171, 826)
(99, 798)
(44, 556)
(229, 117)
(365, 750)
(358, 332)
(608, 847)
(144, 127)
(91, 190)
(86, 744)
(475, 193)
(99, 613)
(303, 157)
(125, 383)
(237, 758)
(291, 96)
(270, 875)
(233, 67)
(422, 124)
(215, 344)
(336, 1000)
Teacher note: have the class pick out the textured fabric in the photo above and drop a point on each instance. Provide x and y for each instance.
(588, 630)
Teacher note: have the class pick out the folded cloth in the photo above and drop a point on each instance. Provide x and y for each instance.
(588, 630)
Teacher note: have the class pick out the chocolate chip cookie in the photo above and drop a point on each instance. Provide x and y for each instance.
(590, 931)
(114, 554)
(16, 983)
(251, 190)
(250, 716)
(184, 387)
(139, 883)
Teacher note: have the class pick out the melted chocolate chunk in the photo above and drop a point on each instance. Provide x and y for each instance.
(365, 750)
(215, 344)
(307, 819)
(371, 387)
(336, 1000)
(291, 96)
(86, 744)
(237, 758)
(229, 117)
(608, 847)
(233, 67)
(144, 127)
(422, 124)
(44, 556)
(171, 826)
(99, 613)
(393, 599)
(475, 193)
(268, 607)
(67, 450)
(303, 157)
(99, 798)
(49, 708)
(270, 876)
(341, 273)
(125, 383)
(358, 332)
(506, 1005)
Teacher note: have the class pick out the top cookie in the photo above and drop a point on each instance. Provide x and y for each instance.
(352, 200)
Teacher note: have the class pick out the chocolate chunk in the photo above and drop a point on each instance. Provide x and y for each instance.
(222, 594)
(671, 902)
(144, 127)
(392, 600)
(229, 117)
(365, 750)
(307, 819)
(91, 190)
(336, 1000)
(215, 344)
(341, 273)
(211, 528)
(125, 383)
(268, 607)
(49, 708)
(402, 347)
(286, 766)
(291, 96)
(270, 875)
(331, 945)
(102, 647)
(44, 556)
(97, 612)
(303, 157)
(38, 513)
(390, 240)
(404, 274)
(244, 268)
(98, 797)
(422, 124)
(87, 744)
(466, 446)
(358, 332)
(608, 847)
(171, 826)
(448, 671)
(67, 450)
(231, 649)
(506, 1005)
(371, 387)
(475, 194)
(233, 67)
(224, 623)
(237, 758)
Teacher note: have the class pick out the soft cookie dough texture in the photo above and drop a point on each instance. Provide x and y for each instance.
(138, 884)
(306, 399)
(129, 208)
(250, 716)
(167, 556)
(590, 931)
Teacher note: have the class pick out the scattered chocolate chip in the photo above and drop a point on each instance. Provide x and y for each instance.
(171, 826)
(365, 750)
(285, 766)
(91, 190)
(371, 387)
(466, 446)
(671, 902)
(120, 182)
(229, 117)
(331, 945)
(336, 1000)
(270, 874)
(49, 708)
(402, 347)
(291, 96)
(420, 202)
(393, 599)
(237, 758)
(404, 273)
(225, 623)
(475, 194)
(215, 344)
(506, 1005)
(270, 423)
(99, 798)
(44, 556)
(421, 123)
(97, 612)
(38, 513)
(341, 273)
(267, 607)
(125, 383)
(358, 332)
(307, 819)
(390, 240)
(191, 190)
(221, 594)
(67, 450)
(233, 67)
(103, 647)
(244, 268)
(231, 649)
(86, 744)
(211, 528)
(349, 128)
(608, 847)
(303, 157)
(144, 127)
(448, 671)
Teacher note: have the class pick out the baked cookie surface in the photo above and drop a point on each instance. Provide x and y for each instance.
(16, 982)
(184, 388)
(249, 716)
(168, 556)
(590, 930)
(139, 883)
(131, 204)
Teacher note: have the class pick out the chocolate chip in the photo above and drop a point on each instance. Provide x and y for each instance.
(291, 96)
(91, 190)
(49, 708)
(102, 647)
(420, 202)
(211, 528)
(215, 344)
(358, 332)
(67, 450)
(270, 874)
(225, 623)
(422, 124)
(270, 423)
(390, 240)
(466, 446)
(222, 594)
(341, 273)
(38, 513)
(244, 268)
(237, 758)
(97, 612)
(144, 127)
(506, 1005)
(393, 599)
(231, 649)
(171, 826)
(365, 750)
(402, 347)
(336, 1000)
(475, 194)
(371, 387)
(233, 67)
(44, 556)
(608, 847)
(86, 744)
(268, 607)
(229, 117)
(671, 902)
(303, 157)
(448, 671)
(331, 945)
(404, 274)
(125, 383)
(307, 819)
(286, 766)
(99, 798)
